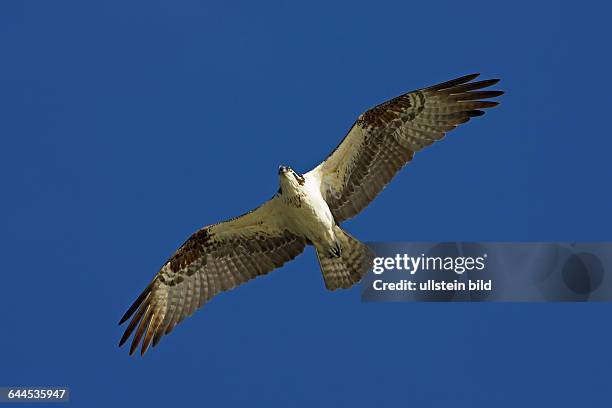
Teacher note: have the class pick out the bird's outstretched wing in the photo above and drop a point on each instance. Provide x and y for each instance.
(383, 139)
(216, 258)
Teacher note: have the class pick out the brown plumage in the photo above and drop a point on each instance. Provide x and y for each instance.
(214, 259)
(385, 138)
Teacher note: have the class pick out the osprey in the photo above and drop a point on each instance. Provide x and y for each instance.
(306, 210)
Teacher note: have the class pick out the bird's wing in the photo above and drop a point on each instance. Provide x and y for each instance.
(216, 258)
(383, 139)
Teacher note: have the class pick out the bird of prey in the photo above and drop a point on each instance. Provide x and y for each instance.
(307, 210)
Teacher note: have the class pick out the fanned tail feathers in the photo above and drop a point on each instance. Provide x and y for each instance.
(347, 269)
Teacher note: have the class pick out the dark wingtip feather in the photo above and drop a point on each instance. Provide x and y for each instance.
(127, 314)
(470, 96)
(126, 335)
(145, 343)
(469, 86)
(467, 78)
(489, 82)
(136, 304)
(453, 82)
(474, 113)
(144, 303)
(142, 327)
(157, 337)
(153, 329)
(487, 104)
(134, 345)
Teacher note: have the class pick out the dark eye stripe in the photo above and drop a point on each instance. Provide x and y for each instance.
(300, 179)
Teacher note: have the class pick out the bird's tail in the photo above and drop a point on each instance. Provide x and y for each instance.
(344, 268)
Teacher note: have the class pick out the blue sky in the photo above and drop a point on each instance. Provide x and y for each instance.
(125, 126)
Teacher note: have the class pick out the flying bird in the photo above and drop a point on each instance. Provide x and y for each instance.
(307, 210)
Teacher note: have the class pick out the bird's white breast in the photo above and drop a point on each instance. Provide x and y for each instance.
(312, 218)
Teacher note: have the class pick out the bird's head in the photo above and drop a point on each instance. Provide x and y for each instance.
(289, 178)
